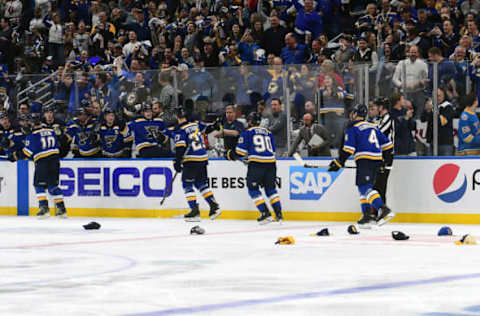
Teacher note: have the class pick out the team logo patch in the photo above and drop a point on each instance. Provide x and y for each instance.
(449, 184)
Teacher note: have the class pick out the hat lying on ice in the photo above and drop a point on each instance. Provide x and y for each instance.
(399, 235)
(288, 240)
(352, 230)
(467, 240)
(445, 231)
(323, 232)
(92, 225)
(197, 230)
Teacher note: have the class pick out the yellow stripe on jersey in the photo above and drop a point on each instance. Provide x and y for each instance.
(47, 154)
(261, 160)
(372, 198)
(195, 159)
(348, 150)
(368, 157)
(388, 147)
(468, 139)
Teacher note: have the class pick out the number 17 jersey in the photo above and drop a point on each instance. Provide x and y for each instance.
(256, 143)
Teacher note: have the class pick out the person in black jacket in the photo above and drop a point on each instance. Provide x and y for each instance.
(445, 125)
(404, 125)
(274, 37)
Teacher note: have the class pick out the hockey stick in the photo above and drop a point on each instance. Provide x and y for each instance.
(170, 185)
(299, 159)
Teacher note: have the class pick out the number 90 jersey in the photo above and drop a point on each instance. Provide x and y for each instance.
(256, 143)
(189, 134)
(40, 144)
(366, 141)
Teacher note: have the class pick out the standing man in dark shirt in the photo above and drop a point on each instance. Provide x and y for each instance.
(273, 39)
(231, 129)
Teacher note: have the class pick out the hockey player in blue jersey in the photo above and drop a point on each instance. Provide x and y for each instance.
(83, 132)
(258, 146)
(469, 128)
(42, 146)
(11, 136)
(150, 135)
(191, 159)
(113, 135)
(369, 147)
(50, 121)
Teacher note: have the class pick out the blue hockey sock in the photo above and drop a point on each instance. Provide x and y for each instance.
(257, 198)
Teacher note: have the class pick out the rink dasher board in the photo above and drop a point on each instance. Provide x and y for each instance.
(418, 189)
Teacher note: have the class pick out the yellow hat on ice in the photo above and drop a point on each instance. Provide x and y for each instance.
(467, 240)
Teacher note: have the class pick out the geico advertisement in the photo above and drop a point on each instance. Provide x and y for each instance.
(430, 186)
(141, 184)
(8, 184)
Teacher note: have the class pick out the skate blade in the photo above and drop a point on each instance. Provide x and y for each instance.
(386, 219)
(215, 215)
(192, 219)
(40, 217)
(266, 221)
(63, 216)
(365, 226)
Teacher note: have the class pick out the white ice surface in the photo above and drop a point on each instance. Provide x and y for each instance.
(151, 266)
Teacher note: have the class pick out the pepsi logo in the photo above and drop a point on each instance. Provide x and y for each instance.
(449, 183)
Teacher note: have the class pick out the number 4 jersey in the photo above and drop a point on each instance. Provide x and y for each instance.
(366, 141)
(256, 143)
(40, 144)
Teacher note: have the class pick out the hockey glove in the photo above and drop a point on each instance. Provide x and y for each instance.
(12, 157)
(5, 142)
(230, 155)
(334, 166)
(177, 165)
(162, 138)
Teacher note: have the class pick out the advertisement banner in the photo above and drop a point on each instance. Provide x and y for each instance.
(8, 188)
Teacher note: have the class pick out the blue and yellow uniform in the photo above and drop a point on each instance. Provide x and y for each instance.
(370, 147)
(14, 137)
(42, 146)
(113, 139)
(150, 137)
(468, 134)
(84, 138)
(191, 157)
(257, 145)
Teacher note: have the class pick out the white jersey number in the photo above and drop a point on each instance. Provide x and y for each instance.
(47, 142)
(373, 138)
(262, 143)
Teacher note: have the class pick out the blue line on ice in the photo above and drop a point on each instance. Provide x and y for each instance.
(308, 295)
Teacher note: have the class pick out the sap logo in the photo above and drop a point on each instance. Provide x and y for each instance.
(310, 184)
(124, 181)
(449, 184)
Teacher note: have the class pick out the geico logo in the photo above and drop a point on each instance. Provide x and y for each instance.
(124, 181)
(308, 184)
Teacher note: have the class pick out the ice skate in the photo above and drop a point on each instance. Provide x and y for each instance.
(384, 215)
(279, 216)
(214, 211)
(61, 212)
(193, 216)
(265, 218)
(366, 221)
(43, 212)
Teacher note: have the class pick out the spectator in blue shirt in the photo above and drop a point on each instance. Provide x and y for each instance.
(446, 69)
(308, 21)
(294, 53)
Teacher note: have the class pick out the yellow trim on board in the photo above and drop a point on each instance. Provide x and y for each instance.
(8, 210)
(450, 218)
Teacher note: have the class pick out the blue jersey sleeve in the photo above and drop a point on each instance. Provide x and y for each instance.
(180, 139)
(242, 144)
(350, 143)
(29, 148)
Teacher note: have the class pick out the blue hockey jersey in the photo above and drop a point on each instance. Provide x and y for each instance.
(16, 137)
(468, 138)
(147, 132)
(365, 141)
(113, 139)
(257, 144)
(190, 133)
(40, 144)
(83, 137)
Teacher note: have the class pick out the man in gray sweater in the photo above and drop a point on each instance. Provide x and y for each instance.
(278, 126)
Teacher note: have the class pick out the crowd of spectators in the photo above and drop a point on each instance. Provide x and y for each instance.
(305, 58)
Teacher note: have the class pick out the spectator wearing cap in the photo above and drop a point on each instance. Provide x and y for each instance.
(55, 38)
(413, 79)
(273, 39)
(294, 53)
(345, 52)
(139, 26)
